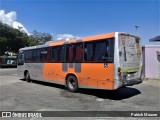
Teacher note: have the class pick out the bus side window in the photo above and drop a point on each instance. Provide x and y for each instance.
(79, 53)
(62, 54)
(111, 49)
(35, 56)
(28, 56)
(45, 54)
(74, 53)
(55, 54)
(41, 55)
(101, 51)
(48, 55)
(88, 51)
(70, 52)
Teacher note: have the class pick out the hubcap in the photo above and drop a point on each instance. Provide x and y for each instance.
(27, 76)
(72, 84)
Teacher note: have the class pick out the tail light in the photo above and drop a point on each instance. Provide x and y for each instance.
(119, 72)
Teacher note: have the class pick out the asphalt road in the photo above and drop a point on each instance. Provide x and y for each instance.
(18, 95)
(8, 71)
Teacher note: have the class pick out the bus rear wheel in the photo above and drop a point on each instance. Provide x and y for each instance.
(72, 84)
(27, 76)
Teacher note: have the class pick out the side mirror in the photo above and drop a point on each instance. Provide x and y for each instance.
(104, 58)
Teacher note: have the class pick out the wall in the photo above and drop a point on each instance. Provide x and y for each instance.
(158, 57)
(151, 61)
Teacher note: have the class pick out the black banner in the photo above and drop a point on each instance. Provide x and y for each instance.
(23, 114)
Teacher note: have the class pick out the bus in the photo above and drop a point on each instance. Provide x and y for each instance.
(8, 61)
(106, 61)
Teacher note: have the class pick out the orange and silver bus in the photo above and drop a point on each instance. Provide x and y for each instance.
(107, 61)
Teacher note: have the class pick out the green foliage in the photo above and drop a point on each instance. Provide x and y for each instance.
(13, 39)
(41, 37)
(3, 42)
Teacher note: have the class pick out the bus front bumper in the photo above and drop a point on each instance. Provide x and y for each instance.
(132, 82)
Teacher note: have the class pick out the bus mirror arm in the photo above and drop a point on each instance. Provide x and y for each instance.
(106, 59)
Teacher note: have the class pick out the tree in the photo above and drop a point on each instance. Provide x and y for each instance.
(42, 38)
(3, 42)
(13, 39)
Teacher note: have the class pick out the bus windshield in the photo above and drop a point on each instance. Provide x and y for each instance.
(129, 53)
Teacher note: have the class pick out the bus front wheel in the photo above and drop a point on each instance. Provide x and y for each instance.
(72, 84)
(27, 76)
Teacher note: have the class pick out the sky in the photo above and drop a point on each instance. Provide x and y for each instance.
(81, 18)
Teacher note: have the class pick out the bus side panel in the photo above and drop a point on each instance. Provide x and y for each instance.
(98, 75)
(20, 71)
(91, 75)
(53, 72)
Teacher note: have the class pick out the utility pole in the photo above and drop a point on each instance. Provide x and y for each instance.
(137, 28)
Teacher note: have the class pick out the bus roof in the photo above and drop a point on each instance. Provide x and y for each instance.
(76, 40)
(90, 38)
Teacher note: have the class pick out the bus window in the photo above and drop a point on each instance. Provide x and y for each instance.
(28, 56)
(89, 51)
(111, 49)
(48, 57)
(45, 54)
(62, 54)
(75, 53)
(35, 56)
(21, 58)
(55, 54)
(79, 53)
(101, 51)
(70, 53)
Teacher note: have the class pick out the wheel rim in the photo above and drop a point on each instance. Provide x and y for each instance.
(72, 84)
(27, 76)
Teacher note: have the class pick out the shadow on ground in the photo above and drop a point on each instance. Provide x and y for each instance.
(119, 94)
(7, 67)
(46, 84)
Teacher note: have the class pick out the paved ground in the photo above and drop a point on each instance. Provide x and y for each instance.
(18, 95)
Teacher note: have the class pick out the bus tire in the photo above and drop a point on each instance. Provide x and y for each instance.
(72, 84)
(27, 77)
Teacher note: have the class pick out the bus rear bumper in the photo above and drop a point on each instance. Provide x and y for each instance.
(132, 82)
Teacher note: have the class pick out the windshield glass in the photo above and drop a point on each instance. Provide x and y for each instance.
(129, 53)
